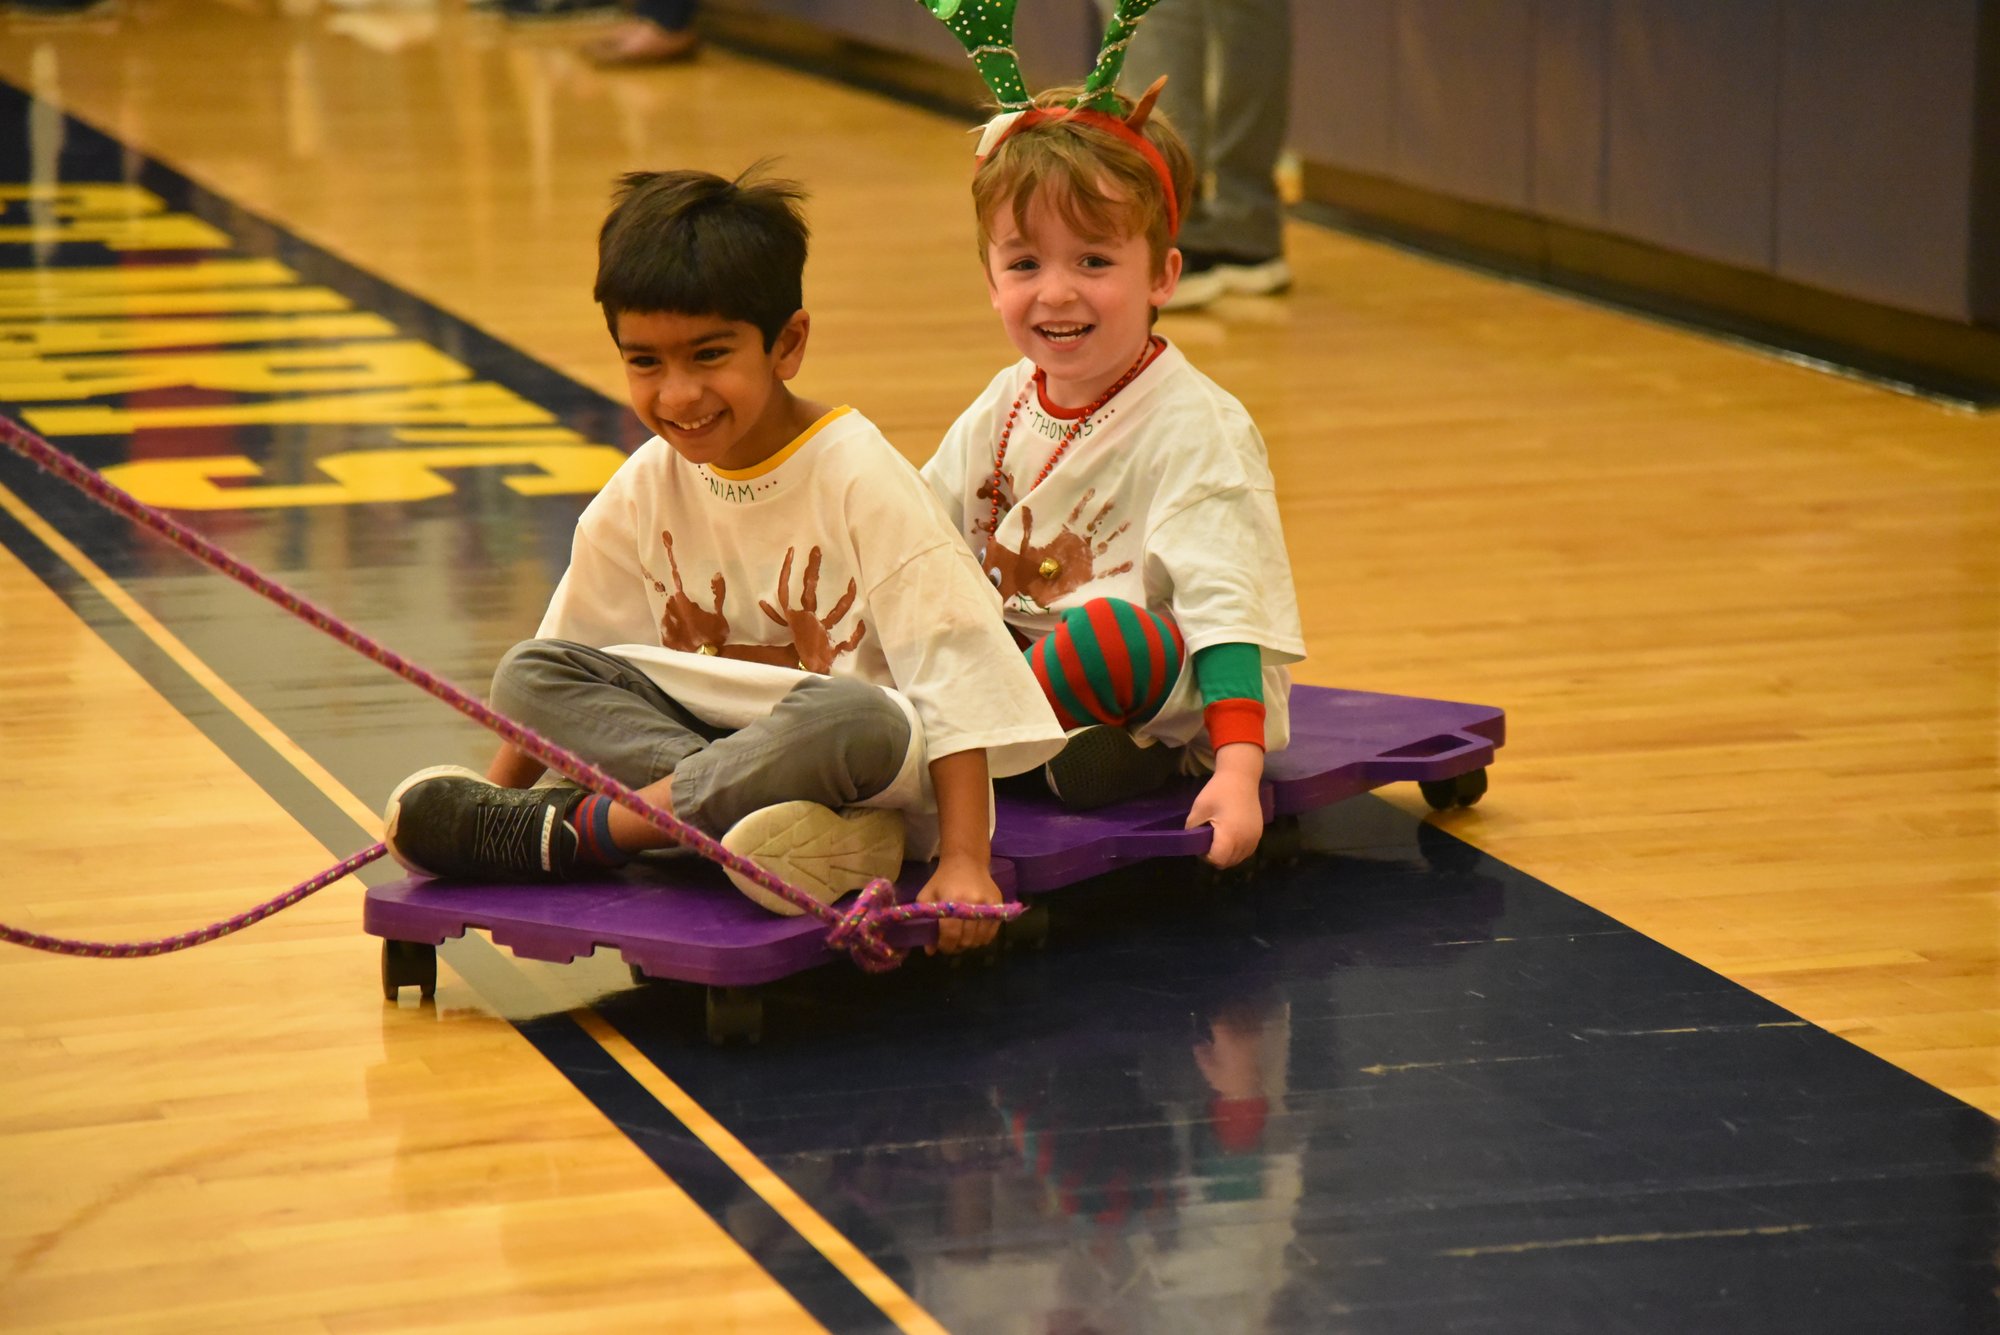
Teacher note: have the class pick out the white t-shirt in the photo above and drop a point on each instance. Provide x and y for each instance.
(831, 557)
(1164, 498)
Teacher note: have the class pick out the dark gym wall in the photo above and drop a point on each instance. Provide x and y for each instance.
(1851, 147)
(1831, 142)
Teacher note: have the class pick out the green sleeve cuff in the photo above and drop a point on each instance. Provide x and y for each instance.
(1229, 672)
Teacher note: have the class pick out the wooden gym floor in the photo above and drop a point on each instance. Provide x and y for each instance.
(1692, 1024)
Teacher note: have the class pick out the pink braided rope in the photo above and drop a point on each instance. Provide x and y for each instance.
(858, 929)
(167, 945)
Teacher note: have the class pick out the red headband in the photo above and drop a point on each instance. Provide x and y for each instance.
(1120, 127)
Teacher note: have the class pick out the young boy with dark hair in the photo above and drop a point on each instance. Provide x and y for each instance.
(1118, 498)
(766, 627)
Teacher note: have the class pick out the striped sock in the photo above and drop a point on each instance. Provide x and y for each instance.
(591, 818)
(1108, 662)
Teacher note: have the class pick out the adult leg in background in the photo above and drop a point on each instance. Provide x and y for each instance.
(1228, 68)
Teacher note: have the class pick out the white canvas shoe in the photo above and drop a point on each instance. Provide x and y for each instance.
(1255, 278)
(1207, 275)
(824, 852)
(1196, 291)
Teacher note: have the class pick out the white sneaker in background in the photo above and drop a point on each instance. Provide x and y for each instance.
(1195, 290)
(1208, 274)
(1261, 278)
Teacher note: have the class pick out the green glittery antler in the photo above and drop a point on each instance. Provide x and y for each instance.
(1099, 89)
(985, 28)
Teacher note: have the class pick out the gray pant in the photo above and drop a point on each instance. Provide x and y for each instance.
(1235, 127)
(831, 740)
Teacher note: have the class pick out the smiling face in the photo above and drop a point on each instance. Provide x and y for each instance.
(709, 387)
(1080, 308)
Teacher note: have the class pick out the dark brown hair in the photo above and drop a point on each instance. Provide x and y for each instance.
(692, 243)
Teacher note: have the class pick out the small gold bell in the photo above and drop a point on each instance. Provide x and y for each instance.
(708, 649)
(1050, 568)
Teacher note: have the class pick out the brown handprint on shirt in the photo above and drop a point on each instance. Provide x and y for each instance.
(811, 635)
(691, 628)
(685, 625)
(1060, 566)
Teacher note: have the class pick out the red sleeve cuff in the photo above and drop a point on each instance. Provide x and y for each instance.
(1235, 721)
(1239, 1123)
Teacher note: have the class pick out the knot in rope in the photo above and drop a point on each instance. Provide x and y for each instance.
(858, 931)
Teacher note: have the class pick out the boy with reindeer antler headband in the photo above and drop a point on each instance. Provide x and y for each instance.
(1119, 499)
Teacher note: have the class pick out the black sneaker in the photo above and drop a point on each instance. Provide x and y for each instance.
(448, 821)
(535, 10)
(1102, 765)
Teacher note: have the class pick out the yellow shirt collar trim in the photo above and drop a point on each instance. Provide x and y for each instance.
(777, 460)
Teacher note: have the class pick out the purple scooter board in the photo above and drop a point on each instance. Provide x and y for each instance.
(679, 918)
(676, 918)
(1343, 743)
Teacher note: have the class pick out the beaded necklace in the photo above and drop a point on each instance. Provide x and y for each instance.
(1154, 345)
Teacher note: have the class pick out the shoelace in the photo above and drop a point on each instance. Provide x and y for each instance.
(515, 836)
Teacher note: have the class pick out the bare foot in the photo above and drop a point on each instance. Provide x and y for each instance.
(642, 43)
